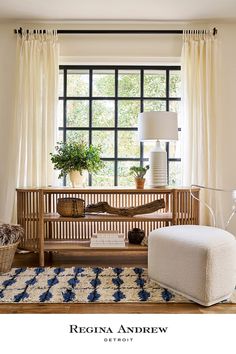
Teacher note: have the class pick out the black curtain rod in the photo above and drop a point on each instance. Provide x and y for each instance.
(19, 31)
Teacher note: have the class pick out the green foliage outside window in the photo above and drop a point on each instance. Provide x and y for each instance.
(102, 115)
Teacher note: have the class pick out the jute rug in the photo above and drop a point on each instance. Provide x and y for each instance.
(83, 285)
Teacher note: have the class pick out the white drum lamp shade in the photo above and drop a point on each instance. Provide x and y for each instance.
(158, 126)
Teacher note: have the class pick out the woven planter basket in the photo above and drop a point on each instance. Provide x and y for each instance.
(7, 254)
(70, 207)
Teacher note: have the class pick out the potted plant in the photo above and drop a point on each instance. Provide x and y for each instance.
(74, 158)
(139, 172)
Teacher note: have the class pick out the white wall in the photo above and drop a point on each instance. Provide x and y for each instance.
(114, 49)
(7, 80)
(227, 113)
(120, 47)
(226, 130)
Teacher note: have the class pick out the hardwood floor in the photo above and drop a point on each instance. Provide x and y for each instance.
(69, 260)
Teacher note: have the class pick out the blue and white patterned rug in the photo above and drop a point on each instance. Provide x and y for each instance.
(84, 285)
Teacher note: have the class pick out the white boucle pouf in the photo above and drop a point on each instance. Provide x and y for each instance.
(198, 262)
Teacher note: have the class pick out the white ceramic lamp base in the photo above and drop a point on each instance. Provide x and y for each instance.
(158, 167)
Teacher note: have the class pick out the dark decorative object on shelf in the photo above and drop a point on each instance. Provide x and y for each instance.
(136, 236)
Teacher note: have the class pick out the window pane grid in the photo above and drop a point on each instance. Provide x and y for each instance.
(101, 105)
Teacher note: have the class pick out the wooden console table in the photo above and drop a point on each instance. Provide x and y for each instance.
(45, 230)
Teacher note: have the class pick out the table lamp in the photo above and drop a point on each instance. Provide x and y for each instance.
(158, 126)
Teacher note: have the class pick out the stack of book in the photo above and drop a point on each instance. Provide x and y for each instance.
(107, 239)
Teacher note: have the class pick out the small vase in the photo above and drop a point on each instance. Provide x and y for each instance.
(135, 236)
(77, 180)
(139, 182)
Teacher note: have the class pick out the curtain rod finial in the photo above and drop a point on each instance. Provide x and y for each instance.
(214, 31)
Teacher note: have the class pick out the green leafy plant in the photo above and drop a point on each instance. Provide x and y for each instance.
(138, 171)
(77, 156)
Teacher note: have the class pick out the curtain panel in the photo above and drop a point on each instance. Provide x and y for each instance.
(34, 124)
(199, 73)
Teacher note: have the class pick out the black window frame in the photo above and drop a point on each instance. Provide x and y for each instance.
(116, 98)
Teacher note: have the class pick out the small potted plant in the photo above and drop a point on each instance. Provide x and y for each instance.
(139, 172)
(74, 158)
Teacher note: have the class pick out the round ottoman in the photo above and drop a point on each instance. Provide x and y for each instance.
(198, 262)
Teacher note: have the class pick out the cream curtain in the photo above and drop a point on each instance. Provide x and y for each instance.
(34, 125)
(199, 68)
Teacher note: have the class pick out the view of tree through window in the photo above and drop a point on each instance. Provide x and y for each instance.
(100, 105)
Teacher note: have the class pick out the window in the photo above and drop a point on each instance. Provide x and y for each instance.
(100, 104)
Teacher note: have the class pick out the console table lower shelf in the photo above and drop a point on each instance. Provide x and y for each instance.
(72, 245)
(83, 248)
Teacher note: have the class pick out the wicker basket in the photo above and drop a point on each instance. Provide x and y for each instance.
(70, 207)
(7, 254)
